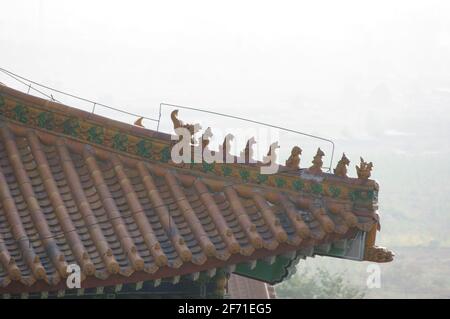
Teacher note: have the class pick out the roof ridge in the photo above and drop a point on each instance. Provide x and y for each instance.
(54, 106)
(137, 142)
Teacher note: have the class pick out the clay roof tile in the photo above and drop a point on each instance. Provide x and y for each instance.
(124, 216)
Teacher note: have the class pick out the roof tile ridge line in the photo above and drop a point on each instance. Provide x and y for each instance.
(244, 221)
(59, 207)
(8, 262)
(82, 203)
(304, 203)
(318, 211)
(189, 214)
(166, 220)
(217, 218)
(235, 181)
(53, 106)
(268, 215)
(132, 129)
(343, 209)
(19, 126)
(99, 119)
(166, 166)
(37, 216)
(138, 214)
(112, 211)
(340, 223)
(296, 219)
(12, 215)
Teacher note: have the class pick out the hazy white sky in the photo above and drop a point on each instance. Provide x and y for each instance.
(344, 69)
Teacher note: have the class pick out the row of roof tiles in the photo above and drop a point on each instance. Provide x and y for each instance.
(64, 202)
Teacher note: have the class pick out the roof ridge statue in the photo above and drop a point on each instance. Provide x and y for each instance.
(206, 136)
(246, 155)
(341, 168)
(293, 162)
(271, 154)
(192, 128)
(271, 160)
(316, 168)
(226, 147)
(364, 169)
(138, 122)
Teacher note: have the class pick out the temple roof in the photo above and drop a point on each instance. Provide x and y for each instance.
(79, 188)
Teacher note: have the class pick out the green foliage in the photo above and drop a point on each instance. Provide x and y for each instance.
(318, 284)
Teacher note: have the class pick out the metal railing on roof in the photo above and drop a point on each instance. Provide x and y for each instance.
(21, 79)
(161, 105)
(29, 83)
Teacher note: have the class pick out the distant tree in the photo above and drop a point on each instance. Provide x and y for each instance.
(319, 284)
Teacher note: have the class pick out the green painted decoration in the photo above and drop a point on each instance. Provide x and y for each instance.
(272, 274)
(45, 120)
(20, 113)
(208, 167)
(316, 188)
(280, 182)
(244, 174)
(143, 148)
(71, 127)
(95, 134)
(227, 170)
(165, 154)
(120, 142)
(361, 196)
(261, 178)
(298, 184)
(373, 195)
(334, 191)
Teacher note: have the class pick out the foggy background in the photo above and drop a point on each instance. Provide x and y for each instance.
(374, 77)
